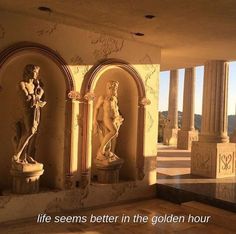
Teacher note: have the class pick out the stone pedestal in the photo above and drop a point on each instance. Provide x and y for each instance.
(108, 173)
(213, 156)
(26, 177)
(214, 160)
(185, 139)
(170, 136)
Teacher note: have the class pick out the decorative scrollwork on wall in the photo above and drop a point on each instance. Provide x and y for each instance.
(226, 161)
(89, 96)
(74, 95)
(145, 102)
(203, 161)
(47, 31)
(106, 45)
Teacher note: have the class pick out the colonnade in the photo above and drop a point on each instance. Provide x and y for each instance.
(212, 155)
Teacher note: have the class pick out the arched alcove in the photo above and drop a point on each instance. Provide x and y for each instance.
(52, 141)
(128, 102)
(131, 95)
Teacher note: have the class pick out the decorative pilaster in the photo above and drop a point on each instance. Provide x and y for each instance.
(171, 129)
(212, 155)
(187, 134)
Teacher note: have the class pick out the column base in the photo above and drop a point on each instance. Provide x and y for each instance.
(170, 136)
(185, 139)
(214, 160)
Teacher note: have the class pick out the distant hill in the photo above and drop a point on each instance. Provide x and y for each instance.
(198, 119)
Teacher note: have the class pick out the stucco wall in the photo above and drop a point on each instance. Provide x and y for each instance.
(81, 50)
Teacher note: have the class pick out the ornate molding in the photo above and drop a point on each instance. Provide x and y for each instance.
(44, 50)
(92, 73)
(144, 102)
(89, 96)
(74, 95)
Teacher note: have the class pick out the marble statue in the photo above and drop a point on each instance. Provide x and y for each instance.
(108, 127)
(33, 92)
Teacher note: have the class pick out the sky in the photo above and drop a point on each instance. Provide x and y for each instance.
(164, 89)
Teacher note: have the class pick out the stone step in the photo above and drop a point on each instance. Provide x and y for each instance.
(177, 193)
(218, 217)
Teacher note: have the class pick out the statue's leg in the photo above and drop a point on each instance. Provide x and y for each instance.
(114, 140)
(24, 130)
(113, 144)
(31, 145)
(109, 135)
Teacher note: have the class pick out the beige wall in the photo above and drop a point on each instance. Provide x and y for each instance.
(81, 50)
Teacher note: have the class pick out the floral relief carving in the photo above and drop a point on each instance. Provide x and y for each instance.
(203, 161)
(145, 102)
(89, 96)
(226, 161)
(76, 60)
(47, 30)
(79, 65)
(150, 70)
(74, 95)
(150, 121)
(106, 45)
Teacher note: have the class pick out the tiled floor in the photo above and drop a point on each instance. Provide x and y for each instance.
(173, 169)
(150, 208)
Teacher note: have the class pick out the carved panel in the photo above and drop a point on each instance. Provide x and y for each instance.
(226, 162)
(201, 162)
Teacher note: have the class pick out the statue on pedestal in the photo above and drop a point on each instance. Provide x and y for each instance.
(108, 128)
(34, 94)
(25, 169)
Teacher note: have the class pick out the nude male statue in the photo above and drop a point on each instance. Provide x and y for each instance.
(34, 95)
(108, 128)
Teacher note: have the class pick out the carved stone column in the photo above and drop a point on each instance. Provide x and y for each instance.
(187, 134)
(171, 129)
(212, 155)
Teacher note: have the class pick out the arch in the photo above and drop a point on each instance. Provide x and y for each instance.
(36, 47)
(87, 92)
(22, 47)
(92, 74)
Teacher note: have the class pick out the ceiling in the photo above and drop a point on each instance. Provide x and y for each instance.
(189, 32)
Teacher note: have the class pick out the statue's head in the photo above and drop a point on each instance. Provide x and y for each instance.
(112, 87)
(31, 71)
